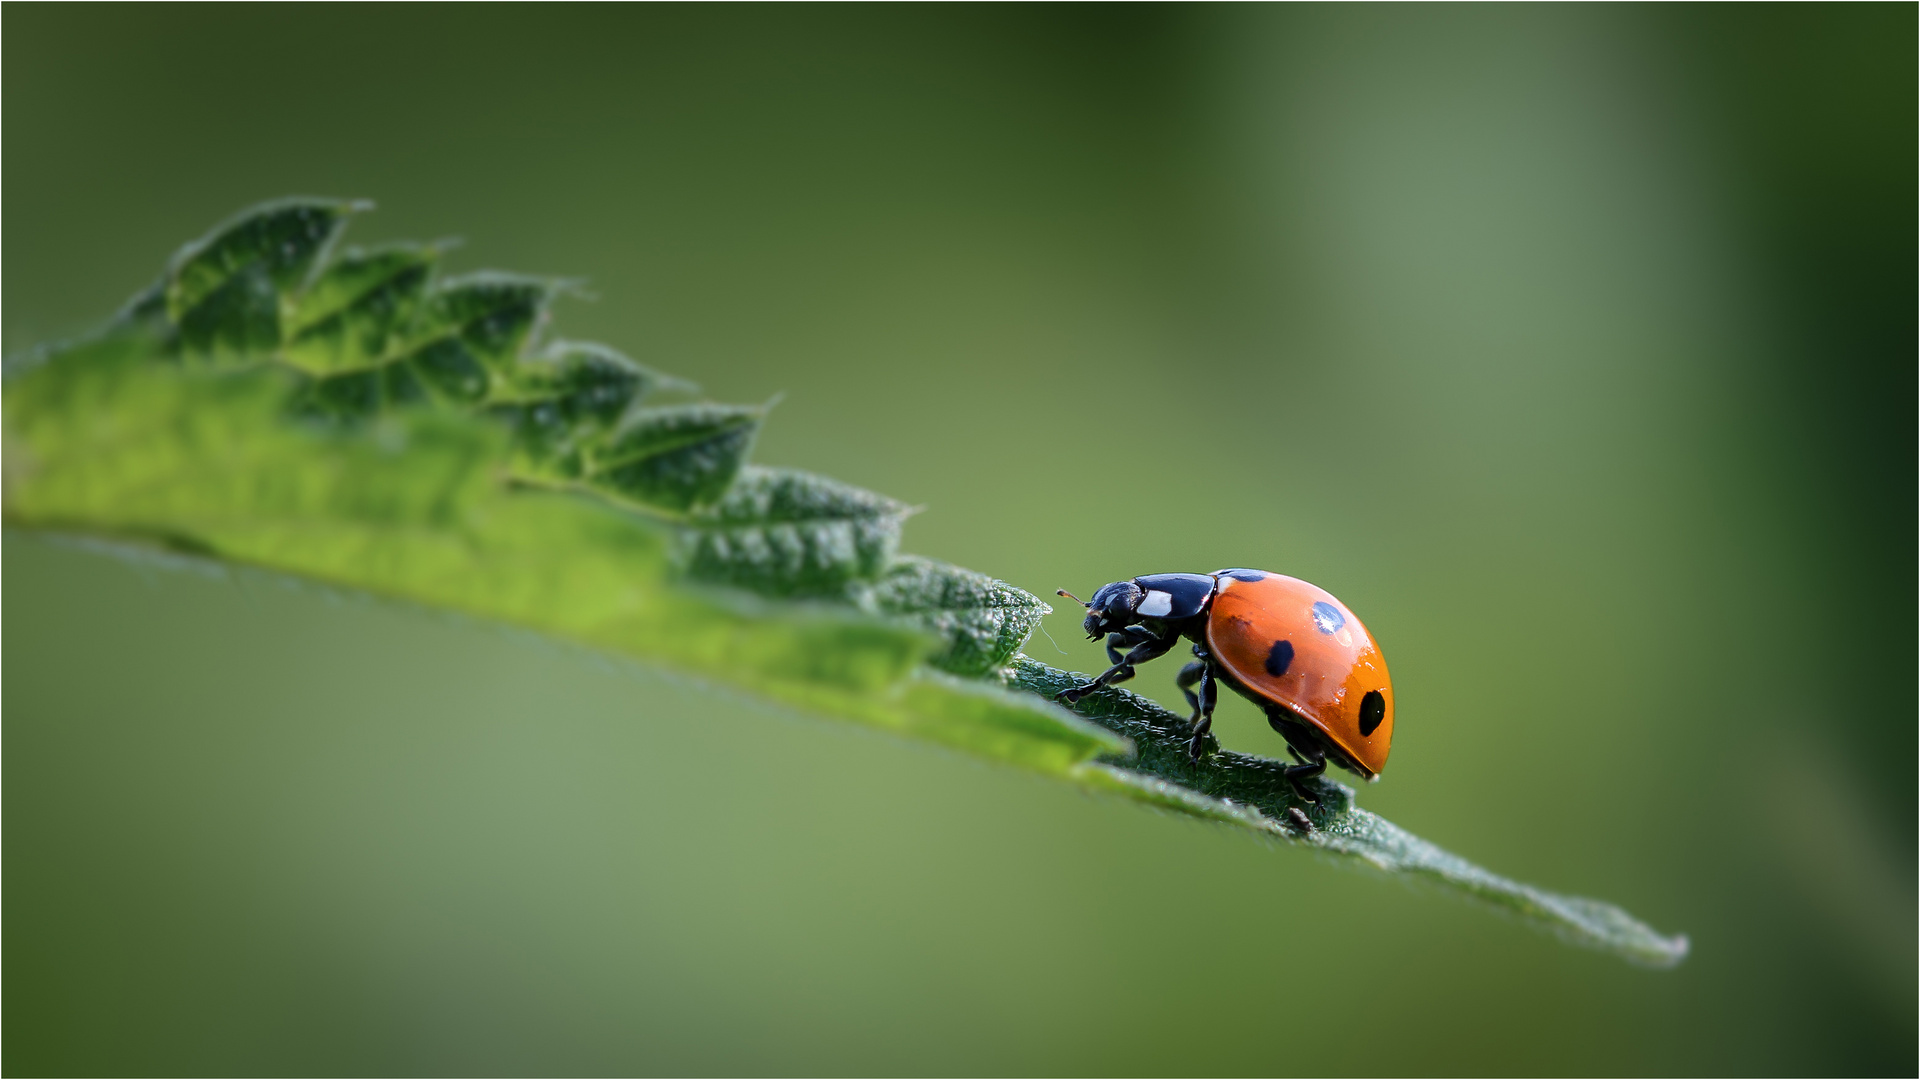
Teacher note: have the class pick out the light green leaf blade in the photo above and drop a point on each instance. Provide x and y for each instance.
(1006, 726)
(105, 442)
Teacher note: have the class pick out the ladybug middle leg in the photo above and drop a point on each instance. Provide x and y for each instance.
(1200, 671)
(1147, 645)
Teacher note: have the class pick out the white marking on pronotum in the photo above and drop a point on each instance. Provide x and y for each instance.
(1157, 603)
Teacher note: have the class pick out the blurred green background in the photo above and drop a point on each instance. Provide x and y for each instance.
(1571, 346)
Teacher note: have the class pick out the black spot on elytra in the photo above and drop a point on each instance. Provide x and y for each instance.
(1246, 575)
(1327, 618)
(1279, 658)
(1373, 709)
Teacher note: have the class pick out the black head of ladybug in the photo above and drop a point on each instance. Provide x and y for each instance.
(1114, 607)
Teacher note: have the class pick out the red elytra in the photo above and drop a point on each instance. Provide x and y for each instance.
(1332, 663)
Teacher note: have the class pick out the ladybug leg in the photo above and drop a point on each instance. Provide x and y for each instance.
(1297, 775)
(1313, 760)
(1200, 671)
(1146, 646)
(1188, 676)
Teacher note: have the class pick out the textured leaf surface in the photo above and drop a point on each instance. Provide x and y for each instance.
(541, 489)
(487, 318)
(559, 402)
(1252, 792)
(783, 532)
(361, 312)
(676, 457)
(396, 344)
(106, 442)
(983, 621)
(223, 294)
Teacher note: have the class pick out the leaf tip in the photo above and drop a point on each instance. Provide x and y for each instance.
(1663, 953)
(573, 288)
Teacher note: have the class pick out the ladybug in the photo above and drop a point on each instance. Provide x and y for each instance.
(1283, 644)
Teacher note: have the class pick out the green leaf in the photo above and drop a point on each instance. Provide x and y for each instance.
(558, 402)
(617, 503)
(1253, 793)
(360, 395)
(361, 312)
(981, 622)
(675, 457)
(787, 533)
(223, 293)
(490, 316)
(464, 341)
(104, 441)
(1012, 727)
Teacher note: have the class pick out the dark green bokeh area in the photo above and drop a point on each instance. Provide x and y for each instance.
(1573, 347)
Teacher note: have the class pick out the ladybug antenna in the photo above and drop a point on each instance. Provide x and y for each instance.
(1070, 596)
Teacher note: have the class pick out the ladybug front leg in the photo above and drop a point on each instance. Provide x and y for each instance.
(1131, 636)
(1147, 645)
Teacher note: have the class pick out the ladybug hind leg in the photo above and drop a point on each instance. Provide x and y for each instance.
(1300, 743)
(1298, 775)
